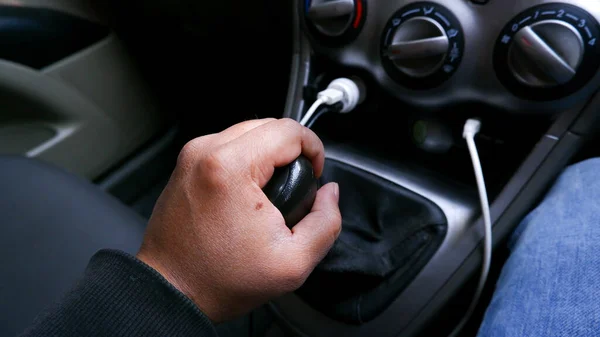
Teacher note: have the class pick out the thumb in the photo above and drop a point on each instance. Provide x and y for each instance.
(316, 233)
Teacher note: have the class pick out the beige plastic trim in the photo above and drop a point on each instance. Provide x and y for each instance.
(95, 101)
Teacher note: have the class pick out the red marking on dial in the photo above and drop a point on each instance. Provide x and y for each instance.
(359, 14)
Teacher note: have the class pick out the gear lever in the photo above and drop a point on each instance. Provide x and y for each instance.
(293, 188)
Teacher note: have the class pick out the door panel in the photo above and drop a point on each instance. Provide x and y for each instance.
(85, 113)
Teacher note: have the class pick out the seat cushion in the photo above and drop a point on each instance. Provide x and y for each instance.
(51, 223)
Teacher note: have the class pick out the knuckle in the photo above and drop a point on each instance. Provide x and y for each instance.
(190, 152)
(214, 160)
(337, 224)
(254, 122)
(291, 124)
(332, 236)
(337, 219)
(213, 165)
(269, 119)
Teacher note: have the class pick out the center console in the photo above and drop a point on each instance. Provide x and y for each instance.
(528, 69)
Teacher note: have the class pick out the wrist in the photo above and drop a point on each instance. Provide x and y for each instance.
(203, 302)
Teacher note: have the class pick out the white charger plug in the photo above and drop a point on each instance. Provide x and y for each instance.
(341, 90)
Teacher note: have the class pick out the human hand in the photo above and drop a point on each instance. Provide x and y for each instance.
(216, 236)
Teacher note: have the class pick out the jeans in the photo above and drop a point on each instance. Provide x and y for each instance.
(550, 285)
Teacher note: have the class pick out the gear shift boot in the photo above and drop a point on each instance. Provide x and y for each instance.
(388, 235)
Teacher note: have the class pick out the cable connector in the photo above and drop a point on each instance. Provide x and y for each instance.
(331, 96)
(342, 90)
(471, 128)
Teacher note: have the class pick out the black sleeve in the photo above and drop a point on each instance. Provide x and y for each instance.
(121, 296)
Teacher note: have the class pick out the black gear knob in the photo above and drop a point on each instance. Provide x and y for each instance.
(293, 189)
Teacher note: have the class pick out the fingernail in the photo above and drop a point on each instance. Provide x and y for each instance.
(336, 191)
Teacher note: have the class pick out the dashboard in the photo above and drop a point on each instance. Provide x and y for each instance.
(531, 56)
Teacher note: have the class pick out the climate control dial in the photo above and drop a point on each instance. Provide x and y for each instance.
(337, 21)
(422, 45)
(548, 52)
(419, 47)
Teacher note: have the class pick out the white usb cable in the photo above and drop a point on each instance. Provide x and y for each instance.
(311, 111)
(342, 90)
(472, 127)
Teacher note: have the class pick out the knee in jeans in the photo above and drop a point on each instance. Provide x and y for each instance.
(579, 181)
(569, 205)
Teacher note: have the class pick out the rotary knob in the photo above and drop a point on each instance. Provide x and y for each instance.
(331, 17)
(422, 45)
(419, 47)
(546, 53)
(335, 20)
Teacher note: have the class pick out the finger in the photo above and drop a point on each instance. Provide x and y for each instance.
(277, 144)
(204, 144)
(239, 129)
(314, 236)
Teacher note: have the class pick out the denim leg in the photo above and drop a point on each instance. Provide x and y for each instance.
(550, 285)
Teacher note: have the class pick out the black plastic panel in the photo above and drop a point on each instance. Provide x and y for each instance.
(38, 37)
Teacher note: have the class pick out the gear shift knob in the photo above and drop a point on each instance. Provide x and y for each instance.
(293, 189)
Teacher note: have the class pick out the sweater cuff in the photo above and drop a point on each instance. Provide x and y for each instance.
(122, 296)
